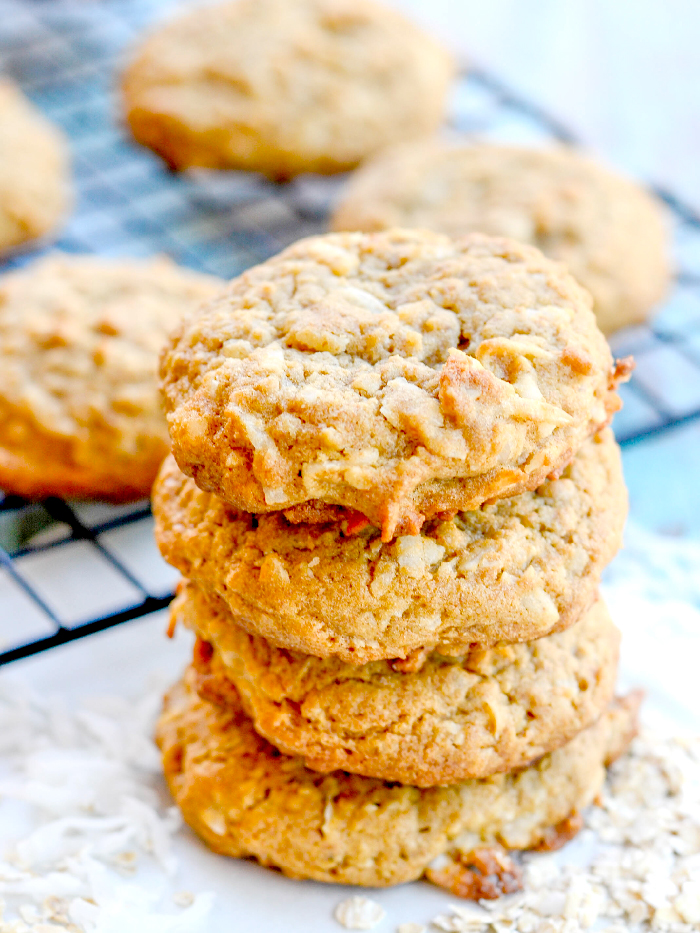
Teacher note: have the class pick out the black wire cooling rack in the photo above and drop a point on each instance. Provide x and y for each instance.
(71, 569)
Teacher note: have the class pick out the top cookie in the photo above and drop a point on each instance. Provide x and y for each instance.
(284, 87)
(401, 374)
(607, 229)
(79, 340)
(34, 184)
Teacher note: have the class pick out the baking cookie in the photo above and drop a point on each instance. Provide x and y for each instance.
(284, 87)
(512, 571)
(607, 229)
(35, 191)
(400, 374)
(244, 798)
(453, 719)
(79, 340)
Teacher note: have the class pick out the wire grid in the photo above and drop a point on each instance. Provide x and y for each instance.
(67, 570)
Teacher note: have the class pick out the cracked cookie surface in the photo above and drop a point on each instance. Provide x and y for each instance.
(450, 720)
(245, 798)
(400, 374)
(80, 412)
(512, 571)
(608, 230)
(283, 88)
(35, 188)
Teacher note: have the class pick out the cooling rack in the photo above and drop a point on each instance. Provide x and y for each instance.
(71, 569)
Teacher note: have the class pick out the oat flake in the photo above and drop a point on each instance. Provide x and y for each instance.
(642, 867)
(359, 913)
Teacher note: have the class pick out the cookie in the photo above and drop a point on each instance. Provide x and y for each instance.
(400, 374)
(450, 720)
(79, 341)
(281, 88)
(607, 229)
(519, 569)
(35, 189)
(245, 798)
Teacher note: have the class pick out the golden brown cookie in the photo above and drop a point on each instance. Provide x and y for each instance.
(512, 571)
(244, 798)
(450, 720)
(607, 229)
(79, 341)
(400, 374)
(35, 190)
(284, 87)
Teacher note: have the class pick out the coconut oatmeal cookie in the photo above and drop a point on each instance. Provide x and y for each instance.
(400, 374)
(245, 798)
(608, 230)
(512, 571)
(451, 720)
(79, 340)
(35, 190)
(282, 88)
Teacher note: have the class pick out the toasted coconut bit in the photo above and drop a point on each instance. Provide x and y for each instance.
(557, 836)
(483, 874)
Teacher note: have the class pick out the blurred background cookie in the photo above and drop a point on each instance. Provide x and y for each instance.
(79, 341)
(284, 86)
(608, 230)
(35, 189)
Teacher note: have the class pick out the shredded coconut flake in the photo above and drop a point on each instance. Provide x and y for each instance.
(359, 913)
(90, 778)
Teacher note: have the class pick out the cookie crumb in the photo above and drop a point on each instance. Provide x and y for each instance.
(359, 913)
(411, 928)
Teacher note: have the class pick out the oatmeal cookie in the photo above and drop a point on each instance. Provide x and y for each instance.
(400, 374)
(79, 340)
(512, 571)
(281, 88)
(35, 189)
(450, 720)
(608, 230)
(245, 798)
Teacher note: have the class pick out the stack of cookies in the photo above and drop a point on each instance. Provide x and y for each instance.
(392, 494)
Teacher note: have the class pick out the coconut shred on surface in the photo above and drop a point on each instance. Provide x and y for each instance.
(99, 857)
